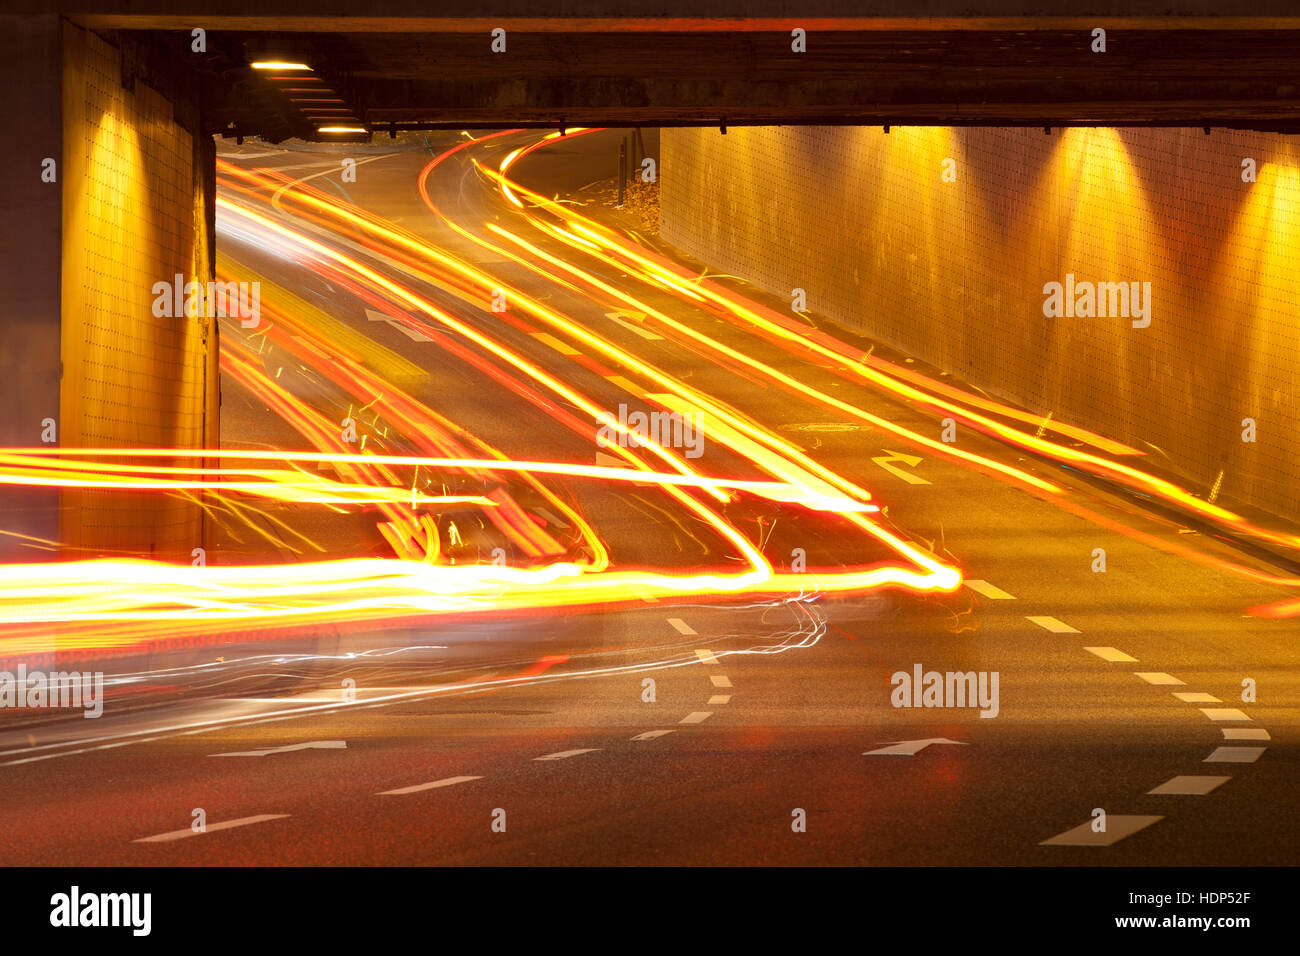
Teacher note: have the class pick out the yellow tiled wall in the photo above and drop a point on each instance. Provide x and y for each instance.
(133, 216)
(953, 272)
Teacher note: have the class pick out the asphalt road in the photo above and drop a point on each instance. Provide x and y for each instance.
(532, 737)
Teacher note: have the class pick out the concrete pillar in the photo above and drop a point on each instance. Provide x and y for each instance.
(30, 257)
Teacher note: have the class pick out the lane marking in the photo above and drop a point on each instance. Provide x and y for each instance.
(1223, 713)
(288, 748)
(682, 627)
(720, 699)
(707, 657)
(1157, 677)
(616, 316)
(885, 462)
(699, 717)
(626, 385)
(910, 748)
(1245, 733)
(398, 324)
(565, 754)
(1188, 786)
(1052, 624)
(1117, 828)
(719, 680)
(1112, 654)
(1235, 755)
(1196, 697)
(651, 734)
(563, 348)
(445, 782)
(988, 590)
(210, 828)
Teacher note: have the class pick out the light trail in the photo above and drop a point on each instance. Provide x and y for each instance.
(638, 261)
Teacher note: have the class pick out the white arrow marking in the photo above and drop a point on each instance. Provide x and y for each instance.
(910, 748)
(311, 745)
(910, 460)
(638, 317)
(406, 330)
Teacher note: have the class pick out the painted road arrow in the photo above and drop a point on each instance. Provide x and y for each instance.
(406, 330)
(910, 748)
(910, 460)
(312, 745)
(635, 325)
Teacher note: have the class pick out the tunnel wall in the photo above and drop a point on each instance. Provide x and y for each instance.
(136, 211)
(31, 204)
(953, 273)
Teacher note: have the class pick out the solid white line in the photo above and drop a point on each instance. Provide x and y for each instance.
(697, 718)
(1112, 654)
(445, 782)
(1053, 625)
(210, 828)
(720, 680)
(651, 734)
(720, 699)
(988, 590)
(681, 626)
(706, 656)
(564, 754)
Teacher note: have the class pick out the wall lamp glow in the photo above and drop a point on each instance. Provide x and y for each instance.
(278, 65)
(341, 129)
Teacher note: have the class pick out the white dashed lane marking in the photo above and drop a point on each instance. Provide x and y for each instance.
(1188, 786)
(1157, 677)
(210, 828)
(565, 754)
(720, 699)
(651, 734)
(1235, 755)
(1245, 733)
(1196, 697)
(1223, 713)
(1117, 828)
(681, 626)
(433, 785)
(720, 680)
(987, 590)
(698, 717)
(707, 657)
(1112, 654)
(1052, 624)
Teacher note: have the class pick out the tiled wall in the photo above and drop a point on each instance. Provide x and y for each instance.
(953, 272)
(133, 216)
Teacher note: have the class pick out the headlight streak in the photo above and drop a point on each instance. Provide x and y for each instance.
(648, 266)
(116, 602)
